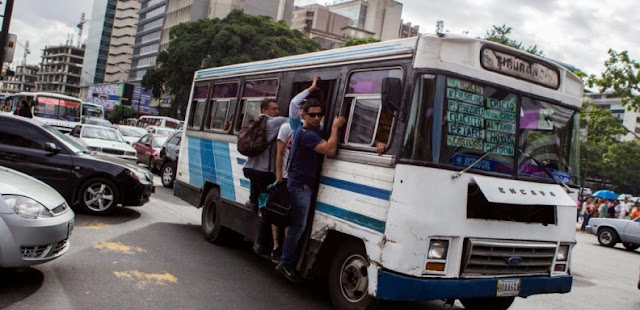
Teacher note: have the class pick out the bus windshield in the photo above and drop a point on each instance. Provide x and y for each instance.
(92, 110)
(470, 119)
(55, 108)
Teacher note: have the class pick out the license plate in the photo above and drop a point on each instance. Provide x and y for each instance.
(508, 287)
(69, 228)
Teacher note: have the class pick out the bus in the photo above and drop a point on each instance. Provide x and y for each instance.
(59, 111)
(473, 198)
(159, 121)
(92, 110)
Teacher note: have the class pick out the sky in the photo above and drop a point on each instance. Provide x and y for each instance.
(574, 32)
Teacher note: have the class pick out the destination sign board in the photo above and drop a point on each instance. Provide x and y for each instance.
(520, 66)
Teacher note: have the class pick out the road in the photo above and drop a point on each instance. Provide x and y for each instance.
(154, 257)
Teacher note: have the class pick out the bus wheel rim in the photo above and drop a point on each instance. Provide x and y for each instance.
(353, 281)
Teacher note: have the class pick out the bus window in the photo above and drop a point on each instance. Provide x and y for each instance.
(417, 140)
(223, 100)
(198, 106)
(252, 94)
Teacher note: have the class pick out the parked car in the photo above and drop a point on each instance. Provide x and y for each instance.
(94, 183)
(131, 134)
(168, 159)
(160, 130)
(148, 149)
(107, 141)
(36, 221)
(611, 231)
(96, 121)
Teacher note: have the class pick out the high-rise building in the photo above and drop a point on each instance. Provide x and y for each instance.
(60, 69)
(24, 79)
(407, 30)
(629, 119)
(147, 40)
(122, 40)
(97, 47)
(322, 25)
(381, 17)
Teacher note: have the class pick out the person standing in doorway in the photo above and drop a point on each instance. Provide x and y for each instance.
(23, 110)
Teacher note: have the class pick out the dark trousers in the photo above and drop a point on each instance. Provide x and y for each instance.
(260, 180)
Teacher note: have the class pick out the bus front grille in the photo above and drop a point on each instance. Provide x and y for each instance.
(486, 257)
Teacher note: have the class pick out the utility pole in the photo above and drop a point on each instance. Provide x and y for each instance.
(4, 36)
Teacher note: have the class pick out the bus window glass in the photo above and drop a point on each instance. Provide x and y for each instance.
(198, 106)
(226, 90)
(218, 114)
(362, 122)
(417, 140)
(223, 104)
(251, 113)
(260, 88)
(69, 110)
(370, 82)
(46, 107)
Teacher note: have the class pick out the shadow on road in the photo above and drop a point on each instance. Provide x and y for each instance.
(119, 216)
(18, 284)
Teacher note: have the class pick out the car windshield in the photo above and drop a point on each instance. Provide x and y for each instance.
(158, 141)
(163, 131)
(70, 143)
(101, 133)
(132, 131)
(98, 121)
(468, 119)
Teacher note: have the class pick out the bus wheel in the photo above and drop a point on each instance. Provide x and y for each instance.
(495, 303)
(212, 230)
(348, 279)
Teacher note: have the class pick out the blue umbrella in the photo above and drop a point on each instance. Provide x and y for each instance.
(606, 194)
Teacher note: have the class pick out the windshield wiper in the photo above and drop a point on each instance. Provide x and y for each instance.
(459, 173)
(544, 168)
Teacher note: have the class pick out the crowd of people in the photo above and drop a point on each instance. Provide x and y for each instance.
(612, 208)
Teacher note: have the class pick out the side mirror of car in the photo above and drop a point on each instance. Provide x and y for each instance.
(51, 148)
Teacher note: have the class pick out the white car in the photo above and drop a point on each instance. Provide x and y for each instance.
(104, 140)
(131, 133)
(35, 221)
(165, 131)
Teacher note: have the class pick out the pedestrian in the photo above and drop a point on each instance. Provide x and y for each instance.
(306, 150)
(587, 212)
(602, 208)
(635, 213)
(23, 109)
(625, 208)
(611, 209)
(260, 170)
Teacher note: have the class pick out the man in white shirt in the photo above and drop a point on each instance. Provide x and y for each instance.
(625, 208)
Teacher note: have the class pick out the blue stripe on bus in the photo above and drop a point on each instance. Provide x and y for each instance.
(245, 183)
(350, 216)
(357, 188)
(224, 174)
(211, 161)
(241, 161)
(195, 169)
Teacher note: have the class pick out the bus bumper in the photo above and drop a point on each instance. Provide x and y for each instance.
(393, 286)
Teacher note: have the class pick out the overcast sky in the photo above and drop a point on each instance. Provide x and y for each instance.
(575, 32)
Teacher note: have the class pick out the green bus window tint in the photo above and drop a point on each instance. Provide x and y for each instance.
(417, 140)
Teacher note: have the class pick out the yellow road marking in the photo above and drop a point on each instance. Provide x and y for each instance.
(96, 225)
(143, 279)
(118, 247)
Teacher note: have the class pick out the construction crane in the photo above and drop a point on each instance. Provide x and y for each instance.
(80, 25)
(27, 51)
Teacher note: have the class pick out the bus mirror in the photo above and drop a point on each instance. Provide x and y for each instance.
(391, 94)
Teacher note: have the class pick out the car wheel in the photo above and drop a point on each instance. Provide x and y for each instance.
(98, 196)
(212, 228)
(607, 237)
(152, 164)
(494, 303)
(631, 246)
(167, 175)
(348, 279)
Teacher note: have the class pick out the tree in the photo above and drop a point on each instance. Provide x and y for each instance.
(500, 34)
(622, 75)
(622, 158)
(121, 112)
(360, 41)
(207, 43)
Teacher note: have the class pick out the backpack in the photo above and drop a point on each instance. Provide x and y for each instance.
(252, 139)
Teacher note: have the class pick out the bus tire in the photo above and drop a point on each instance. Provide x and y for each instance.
(494, 303)
(348, 281)
(212, 229)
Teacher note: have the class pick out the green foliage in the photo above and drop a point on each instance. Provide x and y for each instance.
(354, 42)
(208, 43)
(622, 75)
(121, 112)
(622, 159)
(500, 34)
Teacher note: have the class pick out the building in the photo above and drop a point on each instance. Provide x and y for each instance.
(381, 17)
(24, 79)
(407, 30)
(322, 25)
(628, 119)
(60, 69)
(110, 41)
(147, 40)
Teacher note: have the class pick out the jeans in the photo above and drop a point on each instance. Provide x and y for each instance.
(300, 198)
(260, 180)
(585, 221)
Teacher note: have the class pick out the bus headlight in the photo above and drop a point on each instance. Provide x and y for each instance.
(563, 253)
(438, 249)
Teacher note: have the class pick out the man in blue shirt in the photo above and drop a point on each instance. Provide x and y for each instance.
(306, 151)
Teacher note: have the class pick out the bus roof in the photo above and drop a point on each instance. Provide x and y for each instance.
(54, 95)
(382, 50)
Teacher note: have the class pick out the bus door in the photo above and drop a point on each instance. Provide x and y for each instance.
(329, 95)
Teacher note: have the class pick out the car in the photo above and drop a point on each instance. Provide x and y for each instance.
(131, 134)
(94, 183)
(168, 159)
(160, 130)
(585, 191)
(611, 231)
(107, 141)
(148, 149)
(97, 121)
(36, 221)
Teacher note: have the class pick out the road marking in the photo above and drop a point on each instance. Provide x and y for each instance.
(143, 279)
(118, 247)
(96, 225)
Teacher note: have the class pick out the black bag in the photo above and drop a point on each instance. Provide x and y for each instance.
(276, 210)
(252, 139)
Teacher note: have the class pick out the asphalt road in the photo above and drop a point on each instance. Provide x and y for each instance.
(154, 257)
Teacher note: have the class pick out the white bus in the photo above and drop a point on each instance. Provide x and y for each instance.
(159, 121)
(59, 111)
(469, 200)
(92, 110)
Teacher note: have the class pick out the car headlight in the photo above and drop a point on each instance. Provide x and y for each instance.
(563, 252)
(26, 207)
(438, 249)
(136, 174)
(94, 149)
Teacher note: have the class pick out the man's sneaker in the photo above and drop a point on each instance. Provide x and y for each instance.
(287, 272)
(275, 255)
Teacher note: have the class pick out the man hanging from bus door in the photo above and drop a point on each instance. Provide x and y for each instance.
(306, 149)
(260, 170)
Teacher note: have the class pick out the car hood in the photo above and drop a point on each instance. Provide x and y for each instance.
(108, 144)
(120, 162)
(131, 139)
(16, 183)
